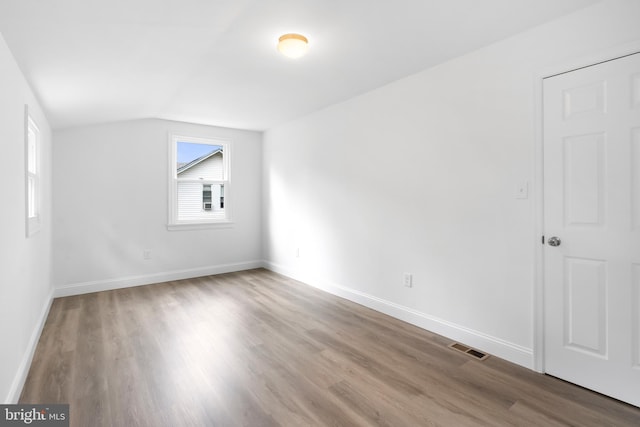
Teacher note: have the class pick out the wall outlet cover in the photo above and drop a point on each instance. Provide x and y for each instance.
(407, 279)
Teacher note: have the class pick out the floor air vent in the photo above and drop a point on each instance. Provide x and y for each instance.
(476, 354)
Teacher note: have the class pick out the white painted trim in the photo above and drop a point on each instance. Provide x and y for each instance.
(173, 223)
(148, 279)
(200, 226)
(23, 370)
(538, 223)
(498, 347)
(33, 225)
(608, 54)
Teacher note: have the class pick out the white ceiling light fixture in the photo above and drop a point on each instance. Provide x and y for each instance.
(293, 45)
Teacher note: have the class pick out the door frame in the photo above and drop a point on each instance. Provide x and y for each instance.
(603, 55)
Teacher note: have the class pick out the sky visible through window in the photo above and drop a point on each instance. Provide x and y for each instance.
(189, 151)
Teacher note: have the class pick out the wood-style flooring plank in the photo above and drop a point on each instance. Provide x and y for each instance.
(258, 349)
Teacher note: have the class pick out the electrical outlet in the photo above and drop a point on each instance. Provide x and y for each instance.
(146, 254)
(407, 280)
(297, 252)
(522, 190)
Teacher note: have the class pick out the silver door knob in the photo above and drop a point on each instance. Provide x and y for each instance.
(554, 241)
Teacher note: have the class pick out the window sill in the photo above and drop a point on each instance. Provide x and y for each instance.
(200, 226)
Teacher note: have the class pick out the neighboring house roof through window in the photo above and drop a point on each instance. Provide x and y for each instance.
(194, 162)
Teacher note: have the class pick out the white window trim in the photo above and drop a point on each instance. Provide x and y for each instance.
(33, 224)
(198, 224)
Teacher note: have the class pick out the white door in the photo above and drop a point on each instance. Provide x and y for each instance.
(592, 206)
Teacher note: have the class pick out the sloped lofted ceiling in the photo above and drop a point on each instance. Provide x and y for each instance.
(215, 61)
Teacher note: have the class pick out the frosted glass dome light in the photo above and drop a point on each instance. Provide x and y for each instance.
(293, 45)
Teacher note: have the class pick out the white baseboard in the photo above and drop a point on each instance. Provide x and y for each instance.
(25, 365)
(495, 346)
(148, 279)
(512, 352)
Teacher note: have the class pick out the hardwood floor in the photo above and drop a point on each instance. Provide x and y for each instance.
(258, 349)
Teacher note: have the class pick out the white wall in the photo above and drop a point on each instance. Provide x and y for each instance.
(420, 176)
(25, 265)
(110, 205)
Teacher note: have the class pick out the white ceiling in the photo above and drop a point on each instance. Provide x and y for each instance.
(215, 61)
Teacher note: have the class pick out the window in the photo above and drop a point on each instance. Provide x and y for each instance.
(199, 173)
(33, 183)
